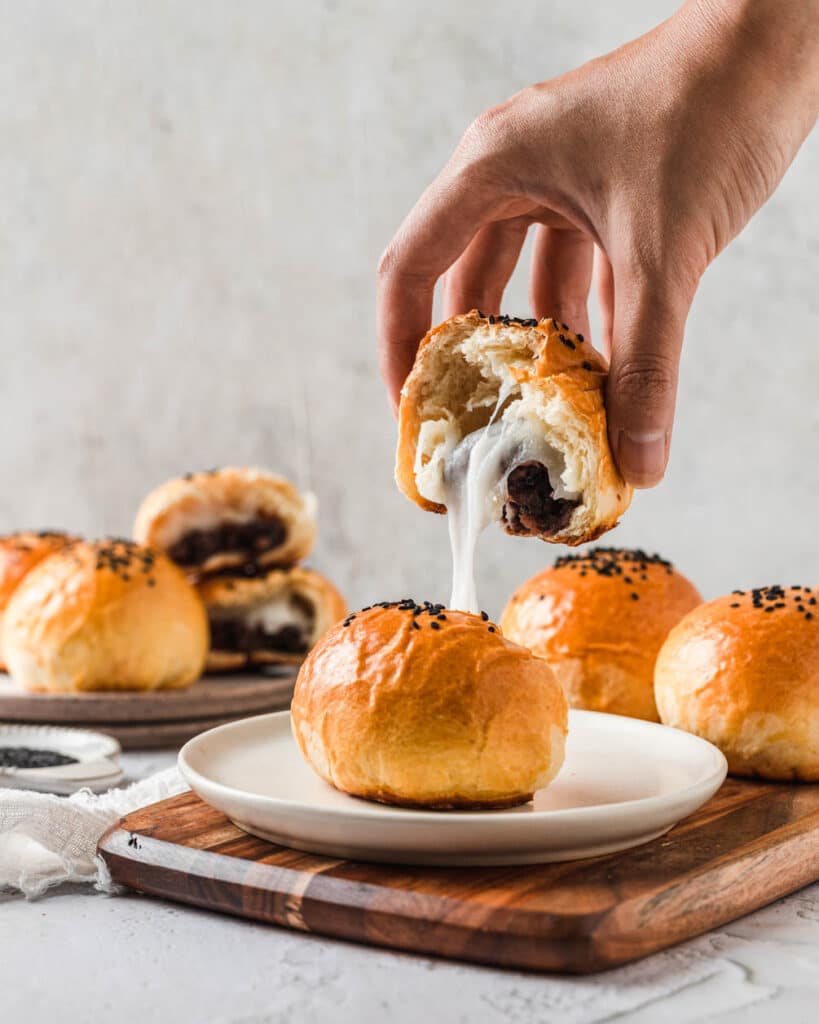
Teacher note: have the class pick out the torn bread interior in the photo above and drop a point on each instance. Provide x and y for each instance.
(503, 420)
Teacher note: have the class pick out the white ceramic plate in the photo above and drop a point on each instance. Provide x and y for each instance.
(624, 782)
(96, 768)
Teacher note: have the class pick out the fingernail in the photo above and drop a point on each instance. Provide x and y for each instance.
(642, 456)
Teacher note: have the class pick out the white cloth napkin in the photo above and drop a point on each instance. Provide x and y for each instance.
(46, 840)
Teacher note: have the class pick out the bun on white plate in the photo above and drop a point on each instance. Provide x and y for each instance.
(425, 707)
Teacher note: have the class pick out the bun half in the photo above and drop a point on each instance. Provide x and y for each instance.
(225, 518)
(272, 619)
(562, 483)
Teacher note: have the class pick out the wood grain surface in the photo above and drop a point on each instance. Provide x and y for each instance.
(149, 720)
(750, 844)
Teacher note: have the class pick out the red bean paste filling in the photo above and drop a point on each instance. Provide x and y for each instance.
(531, 507)
(247, 539)
(238, 637)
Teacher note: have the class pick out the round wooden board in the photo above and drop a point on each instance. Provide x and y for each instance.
(156, 735)
(212, 698)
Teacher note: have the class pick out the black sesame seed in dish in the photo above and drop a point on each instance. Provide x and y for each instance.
(28, 757)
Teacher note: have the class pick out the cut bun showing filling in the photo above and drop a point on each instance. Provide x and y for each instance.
(505, 419)
(273, 619)
(226, 518)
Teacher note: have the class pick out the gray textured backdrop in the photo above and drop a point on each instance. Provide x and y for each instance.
(194, 197)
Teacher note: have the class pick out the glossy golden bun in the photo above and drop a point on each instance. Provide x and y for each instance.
(559, 378)
(231, 497)
(105, 615)
(19, 553)
(306, 598)
(432, 709)
(599, 619)
(743, 672)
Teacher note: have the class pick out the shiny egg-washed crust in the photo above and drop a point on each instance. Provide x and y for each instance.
(106, 615)
(234, 595)
(424, 711)
(202, 500)
(19, 553)
(747, 680)
(599, 619)
(569, 369)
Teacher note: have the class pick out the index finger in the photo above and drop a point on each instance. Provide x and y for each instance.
(435, 233)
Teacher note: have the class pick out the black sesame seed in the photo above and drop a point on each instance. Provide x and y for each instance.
(586, 365)
(580, 338)
(808, 615)
(435, 625)
(491, 629)
(28, 757)
(485, 617)
(415, 624)
(735, 604)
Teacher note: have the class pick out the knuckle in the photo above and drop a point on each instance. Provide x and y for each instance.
(652, 245)
(645, 381)
(489, 136)
(487, 127)
(396, 266)
(388, 262)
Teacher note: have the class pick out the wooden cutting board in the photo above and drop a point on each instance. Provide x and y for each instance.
(161, 718)
(750, 844)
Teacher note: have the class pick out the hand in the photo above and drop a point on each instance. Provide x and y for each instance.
(649, 160)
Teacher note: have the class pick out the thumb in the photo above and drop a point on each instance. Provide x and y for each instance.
(649, 322)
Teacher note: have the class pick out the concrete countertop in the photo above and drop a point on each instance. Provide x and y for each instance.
(78, 956)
